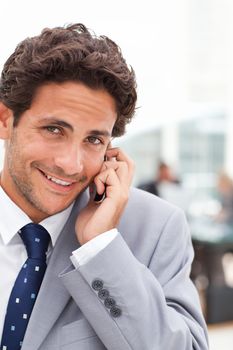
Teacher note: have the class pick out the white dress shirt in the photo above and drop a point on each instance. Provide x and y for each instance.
(13, 252)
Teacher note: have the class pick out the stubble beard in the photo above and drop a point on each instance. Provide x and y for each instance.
(26, 190)
(22, 184)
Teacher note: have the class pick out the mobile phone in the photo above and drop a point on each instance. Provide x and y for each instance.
(99, 197)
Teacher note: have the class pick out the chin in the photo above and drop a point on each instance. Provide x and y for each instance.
(50, 209)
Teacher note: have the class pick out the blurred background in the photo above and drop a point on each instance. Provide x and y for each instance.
(182, 136)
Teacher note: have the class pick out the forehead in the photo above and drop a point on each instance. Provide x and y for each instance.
(74, 100)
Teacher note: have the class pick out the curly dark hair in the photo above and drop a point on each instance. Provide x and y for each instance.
(69, 53)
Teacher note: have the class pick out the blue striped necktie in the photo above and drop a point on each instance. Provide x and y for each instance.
(26, 287)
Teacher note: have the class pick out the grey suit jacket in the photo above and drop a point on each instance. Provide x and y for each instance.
(145, 269)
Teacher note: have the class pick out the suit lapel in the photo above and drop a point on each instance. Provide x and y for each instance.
(53, 296)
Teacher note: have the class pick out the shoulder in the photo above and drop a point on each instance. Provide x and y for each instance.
(150, 213)
(146, 204)
(149, 222)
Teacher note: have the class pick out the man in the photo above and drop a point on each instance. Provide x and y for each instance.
(164, 176)
(118, 262)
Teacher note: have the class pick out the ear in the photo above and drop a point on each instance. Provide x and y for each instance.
(6, 121)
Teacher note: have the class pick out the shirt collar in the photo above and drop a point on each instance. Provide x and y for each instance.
(12, 219)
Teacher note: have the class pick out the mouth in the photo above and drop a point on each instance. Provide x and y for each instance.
(58, 183)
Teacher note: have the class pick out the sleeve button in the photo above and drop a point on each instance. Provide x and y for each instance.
(109, 302)
(103, 294)
(97, 284)
(115, 311)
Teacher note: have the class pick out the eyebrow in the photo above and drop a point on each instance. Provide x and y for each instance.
(70, 127)
(57, 122)
(100, 132)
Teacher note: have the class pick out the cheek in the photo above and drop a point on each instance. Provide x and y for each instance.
(35, 150)
(93, 163)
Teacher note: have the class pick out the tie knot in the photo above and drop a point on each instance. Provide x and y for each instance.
(36, 240)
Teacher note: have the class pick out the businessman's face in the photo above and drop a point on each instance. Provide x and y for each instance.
(57, 147)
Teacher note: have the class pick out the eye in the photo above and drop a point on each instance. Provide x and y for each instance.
(53, 129)
(94, 140)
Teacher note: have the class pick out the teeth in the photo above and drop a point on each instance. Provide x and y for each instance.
(57, 181)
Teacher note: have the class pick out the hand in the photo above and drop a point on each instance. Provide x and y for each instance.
(114, 178)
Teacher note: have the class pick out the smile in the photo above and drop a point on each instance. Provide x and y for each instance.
(58, 181)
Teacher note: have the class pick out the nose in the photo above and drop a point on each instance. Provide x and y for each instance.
(70, 159)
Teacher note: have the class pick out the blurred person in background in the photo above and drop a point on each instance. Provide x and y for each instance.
(118, 261)
(167, 186)
(225, 196)
(164, 175)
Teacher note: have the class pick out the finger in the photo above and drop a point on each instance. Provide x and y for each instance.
(106, 178)
(117, 154)
(121, 169)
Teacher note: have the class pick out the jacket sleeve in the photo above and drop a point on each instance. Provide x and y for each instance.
(133, 306)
